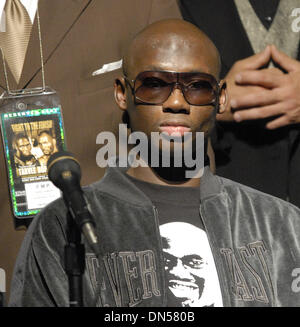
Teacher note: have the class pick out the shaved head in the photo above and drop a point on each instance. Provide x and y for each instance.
(167, 42)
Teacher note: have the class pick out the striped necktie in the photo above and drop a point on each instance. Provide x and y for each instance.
(14, 40)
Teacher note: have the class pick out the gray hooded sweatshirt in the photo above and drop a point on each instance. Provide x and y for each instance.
(254, 238)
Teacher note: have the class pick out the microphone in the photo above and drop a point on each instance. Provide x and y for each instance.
(65, 173)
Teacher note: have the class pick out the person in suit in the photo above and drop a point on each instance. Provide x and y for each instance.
(79, 37)
(259, 132)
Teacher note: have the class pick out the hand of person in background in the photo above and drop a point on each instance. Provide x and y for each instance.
(236, 91)
(280, 98)
(261, 93)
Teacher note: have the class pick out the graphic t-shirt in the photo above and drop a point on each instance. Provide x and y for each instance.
(189, 265)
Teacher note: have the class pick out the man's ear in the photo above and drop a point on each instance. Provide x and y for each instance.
(120, 93)
(223, 98)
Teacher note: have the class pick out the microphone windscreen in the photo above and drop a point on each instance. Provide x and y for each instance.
(61, 166)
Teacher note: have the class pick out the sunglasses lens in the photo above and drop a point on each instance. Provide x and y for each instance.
(199, 92)
(152, 87)
(155, 87)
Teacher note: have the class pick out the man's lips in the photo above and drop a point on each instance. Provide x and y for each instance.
(174, 128)
(180, 284)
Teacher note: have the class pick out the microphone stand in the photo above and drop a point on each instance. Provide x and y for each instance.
(74, 262)
(64, 172)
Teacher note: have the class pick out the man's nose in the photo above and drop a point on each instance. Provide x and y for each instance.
(176, 102)
(180, 271)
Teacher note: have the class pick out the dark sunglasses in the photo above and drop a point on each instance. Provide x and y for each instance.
(155, 87)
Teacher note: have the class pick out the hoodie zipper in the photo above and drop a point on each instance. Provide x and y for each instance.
(220, 275)
(163, 278)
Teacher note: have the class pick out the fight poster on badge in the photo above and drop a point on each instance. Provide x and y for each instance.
(30, 137)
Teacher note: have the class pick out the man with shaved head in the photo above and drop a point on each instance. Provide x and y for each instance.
(168, 237)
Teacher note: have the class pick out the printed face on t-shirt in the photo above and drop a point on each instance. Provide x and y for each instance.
(188, 263)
